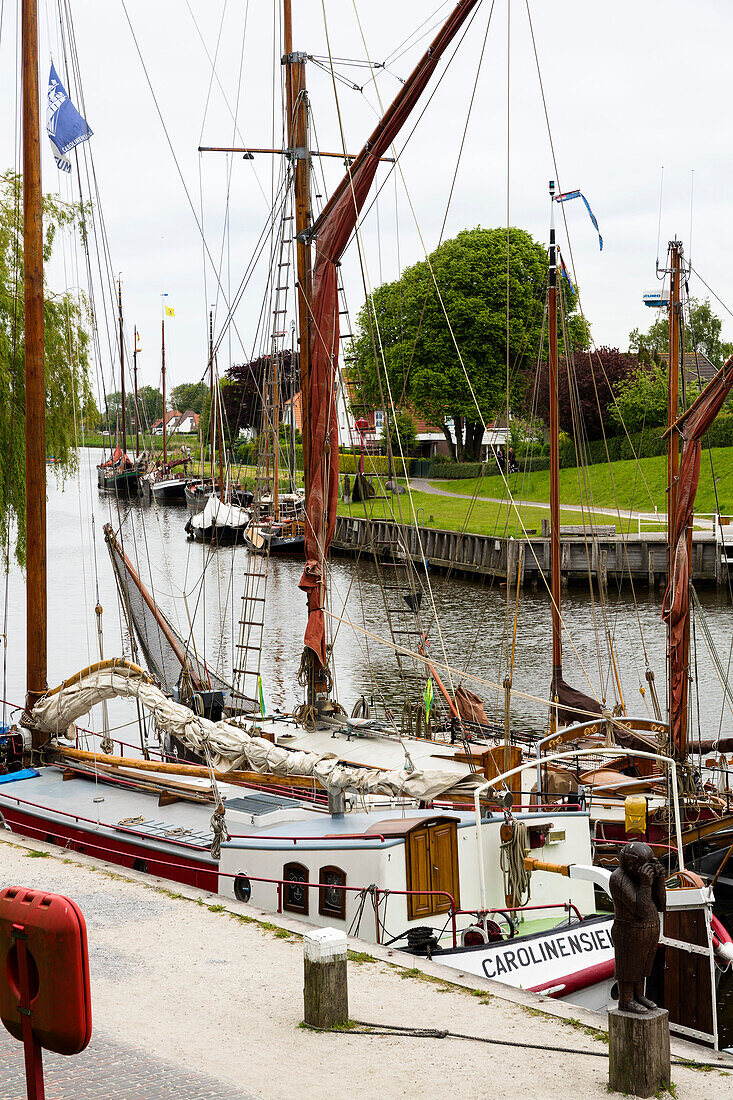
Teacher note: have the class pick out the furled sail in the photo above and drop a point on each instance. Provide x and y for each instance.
(676, 609)
(170, 659)
(332, 232)
(231, 747)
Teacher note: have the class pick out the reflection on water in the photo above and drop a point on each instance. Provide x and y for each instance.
(200, 590)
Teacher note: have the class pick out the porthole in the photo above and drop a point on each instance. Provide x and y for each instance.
(242, 888)
(140, 865)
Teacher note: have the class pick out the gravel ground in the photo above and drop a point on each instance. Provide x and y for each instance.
(216, 995)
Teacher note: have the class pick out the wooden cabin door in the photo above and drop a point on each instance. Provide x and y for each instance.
(687, 989)
(432, 864)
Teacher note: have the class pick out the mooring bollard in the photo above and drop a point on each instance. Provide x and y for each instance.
(638, 1052)
(325, 992)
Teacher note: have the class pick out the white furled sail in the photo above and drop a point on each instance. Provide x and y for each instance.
(230, 747)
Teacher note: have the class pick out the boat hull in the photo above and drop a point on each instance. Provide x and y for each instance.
(124, 483)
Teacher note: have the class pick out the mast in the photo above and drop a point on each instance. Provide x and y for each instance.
(212, 407)
(162, 372)
(122, 367)
(137, 409)
(296, 121)
(296, 135)
(35, 382)
(677, 700)
(554, 459)
(275, 441)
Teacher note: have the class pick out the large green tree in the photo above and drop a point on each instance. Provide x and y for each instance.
(68, 392)
(406, 320)
(702, 332)
(189, 395)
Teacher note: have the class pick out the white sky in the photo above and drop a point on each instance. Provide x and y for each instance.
(630, 87)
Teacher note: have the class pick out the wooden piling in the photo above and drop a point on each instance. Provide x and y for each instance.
(325, 990)
(638, 1052)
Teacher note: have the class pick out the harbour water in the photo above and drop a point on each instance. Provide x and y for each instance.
(195, 584)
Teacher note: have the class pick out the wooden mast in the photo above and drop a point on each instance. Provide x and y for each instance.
(137, 409)
(296, 101)
(212, 406)
(162, 372)
(122, 368)
(673, 462)
(554, 462)
(35, 381)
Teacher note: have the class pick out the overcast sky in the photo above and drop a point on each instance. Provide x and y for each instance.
(630, 87)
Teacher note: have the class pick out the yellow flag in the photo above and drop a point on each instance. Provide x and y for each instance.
(169, 311)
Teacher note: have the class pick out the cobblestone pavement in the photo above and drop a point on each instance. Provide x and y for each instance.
(107, 1069)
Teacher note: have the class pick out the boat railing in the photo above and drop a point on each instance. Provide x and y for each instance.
(372, 890)
(478, 913)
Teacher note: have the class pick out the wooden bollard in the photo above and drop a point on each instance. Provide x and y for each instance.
(325, 991)
(638, 1052)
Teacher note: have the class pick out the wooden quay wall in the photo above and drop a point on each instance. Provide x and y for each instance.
(607, 557)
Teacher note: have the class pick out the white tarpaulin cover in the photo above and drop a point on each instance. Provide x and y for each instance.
(218, 513)
(229, 746)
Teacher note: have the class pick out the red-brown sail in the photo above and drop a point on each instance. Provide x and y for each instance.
(333, 231)
(693, 425)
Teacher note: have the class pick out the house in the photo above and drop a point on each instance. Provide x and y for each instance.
(697, 368)
(188, 422)
(175, 421)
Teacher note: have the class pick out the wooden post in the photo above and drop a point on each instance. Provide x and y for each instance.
(638, 1052)
(325, 991)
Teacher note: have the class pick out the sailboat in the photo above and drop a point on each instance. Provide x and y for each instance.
(120, 474)
(406, 842)
(161, 482)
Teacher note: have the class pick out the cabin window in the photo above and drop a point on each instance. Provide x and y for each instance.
(431, 853)
(295, 890)
(331, 899)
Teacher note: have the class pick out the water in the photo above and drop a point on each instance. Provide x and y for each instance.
(193, 582)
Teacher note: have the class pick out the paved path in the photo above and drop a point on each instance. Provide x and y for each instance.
(423, 486)
(108, 1069)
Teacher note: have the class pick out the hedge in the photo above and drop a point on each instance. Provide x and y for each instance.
(455, 471)
(247, 455)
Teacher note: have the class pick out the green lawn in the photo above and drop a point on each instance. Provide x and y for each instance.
(449, 513)
(637, 486)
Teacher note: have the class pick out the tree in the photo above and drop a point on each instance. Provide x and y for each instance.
(642, 398)
(594, 376)
(245, 384)
(401, 432)
(189, 395)
(423, 367)
(702, 333)
(68, 392)
(150, 404)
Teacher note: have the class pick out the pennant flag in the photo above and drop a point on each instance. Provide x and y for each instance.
(261, 696)
(169, 311)
(428, 697)
(65, 126)
(568, 195)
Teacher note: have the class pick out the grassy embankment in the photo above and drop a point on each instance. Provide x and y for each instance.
(450, 513)
(637, 487)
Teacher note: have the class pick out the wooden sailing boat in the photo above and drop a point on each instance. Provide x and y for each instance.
(121, 473)
(161, 483)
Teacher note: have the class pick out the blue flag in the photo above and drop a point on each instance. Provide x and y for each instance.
(568, 195)
(64, 125)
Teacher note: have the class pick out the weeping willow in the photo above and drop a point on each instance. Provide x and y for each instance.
(68, 391)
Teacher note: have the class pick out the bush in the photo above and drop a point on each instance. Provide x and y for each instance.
(459, 470)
